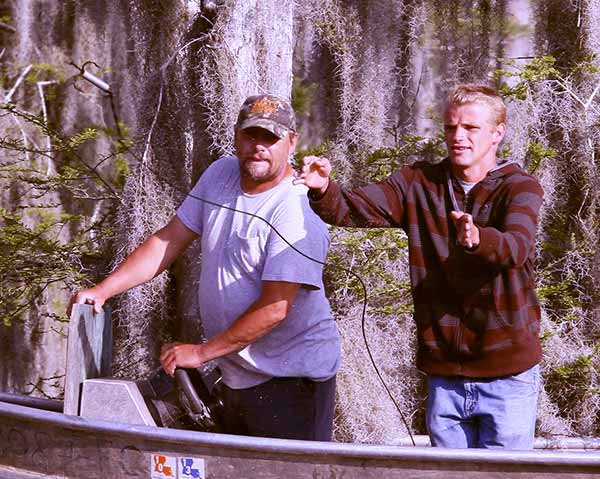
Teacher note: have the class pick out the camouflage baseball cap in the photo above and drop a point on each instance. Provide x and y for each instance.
(269, 112)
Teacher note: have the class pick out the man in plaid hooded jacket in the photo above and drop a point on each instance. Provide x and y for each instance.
(471, 222)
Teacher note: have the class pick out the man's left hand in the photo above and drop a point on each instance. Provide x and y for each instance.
(467, 232)
(173, 355)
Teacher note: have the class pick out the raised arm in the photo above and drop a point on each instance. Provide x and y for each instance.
(150, 259)
(375, 205)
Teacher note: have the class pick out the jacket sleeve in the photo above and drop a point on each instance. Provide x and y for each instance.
(513, 242)
(373, 206)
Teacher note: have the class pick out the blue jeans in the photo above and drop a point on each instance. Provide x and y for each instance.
(483, 412)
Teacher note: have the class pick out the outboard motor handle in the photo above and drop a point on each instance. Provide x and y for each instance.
(185, 384)
(203, 407)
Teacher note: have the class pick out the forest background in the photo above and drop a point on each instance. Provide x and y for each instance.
(89, 170)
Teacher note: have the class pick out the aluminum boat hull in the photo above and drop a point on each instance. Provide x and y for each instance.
(41, 443)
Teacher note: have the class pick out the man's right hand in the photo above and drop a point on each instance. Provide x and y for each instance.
(315, 173)
(87, 296)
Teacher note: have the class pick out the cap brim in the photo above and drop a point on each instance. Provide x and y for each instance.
(269, 125)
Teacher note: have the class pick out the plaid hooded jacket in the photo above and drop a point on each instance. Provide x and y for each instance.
(476, 310)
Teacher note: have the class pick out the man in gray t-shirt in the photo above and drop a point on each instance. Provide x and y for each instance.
(263, 306)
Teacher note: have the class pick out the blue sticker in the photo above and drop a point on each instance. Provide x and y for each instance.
(191, 468)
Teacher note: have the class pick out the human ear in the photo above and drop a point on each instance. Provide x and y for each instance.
(293, 141)
(499, 131)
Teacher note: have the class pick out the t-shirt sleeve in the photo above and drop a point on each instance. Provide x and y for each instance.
(299, 259)
(190, 211)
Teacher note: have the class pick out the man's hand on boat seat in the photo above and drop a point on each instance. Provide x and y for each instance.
(88, 296)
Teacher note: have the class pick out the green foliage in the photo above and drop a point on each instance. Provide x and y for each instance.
(302, 97)
(121, 135)
(588, 66)
(556, 235)
(568, 385)
(364, 252)
(556, 293)
(572, 371)
(319, 150)
(75, 141)
(538, 70)
(33, 257)
(382, 162)
(545, 336)
(45, 71)
(122, 170)
(505, 151)
(64, 198)
(536, 154)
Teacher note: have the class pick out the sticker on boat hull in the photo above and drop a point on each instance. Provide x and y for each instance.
(190, 468)
(172, 467)
(163, 467)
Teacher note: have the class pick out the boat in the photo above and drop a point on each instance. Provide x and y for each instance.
(105, 429)
(38, 440)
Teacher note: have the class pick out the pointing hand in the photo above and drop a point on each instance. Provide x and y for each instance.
(467, 232)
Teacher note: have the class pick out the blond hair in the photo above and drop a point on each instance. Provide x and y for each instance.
(473, 93)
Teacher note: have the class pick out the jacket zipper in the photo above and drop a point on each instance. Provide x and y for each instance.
(460, 326)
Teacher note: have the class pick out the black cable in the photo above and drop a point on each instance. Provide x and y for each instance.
(273, 228)
(345, 270)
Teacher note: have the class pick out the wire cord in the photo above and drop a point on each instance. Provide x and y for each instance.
(144, 164)
(340, 268)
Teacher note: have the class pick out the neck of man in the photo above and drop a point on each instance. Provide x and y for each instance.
(252, 186)
(476, 172)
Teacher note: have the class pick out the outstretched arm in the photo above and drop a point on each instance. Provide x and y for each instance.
(270, 309)
(150, 259)
(374, 205)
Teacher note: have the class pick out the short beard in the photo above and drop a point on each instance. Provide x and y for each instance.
(251, 171)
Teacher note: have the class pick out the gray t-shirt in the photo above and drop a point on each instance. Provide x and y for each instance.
(239, 252)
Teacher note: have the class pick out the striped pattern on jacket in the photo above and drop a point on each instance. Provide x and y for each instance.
(476, 311)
